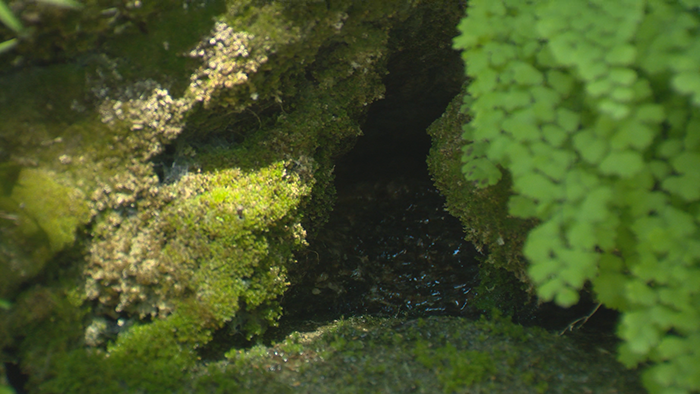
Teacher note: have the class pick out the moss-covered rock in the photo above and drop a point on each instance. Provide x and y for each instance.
(431, 355)
(483, 211)
(164, 181)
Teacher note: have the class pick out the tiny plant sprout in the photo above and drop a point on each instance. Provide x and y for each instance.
(9, 19)
(62, 3)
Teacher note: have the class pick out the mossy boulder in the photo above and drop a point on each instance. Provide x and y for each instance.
(428, 355)
(482, 211)
(155, 188)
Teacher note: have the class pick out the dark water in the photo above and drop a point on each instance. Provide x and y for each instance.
(389, 247)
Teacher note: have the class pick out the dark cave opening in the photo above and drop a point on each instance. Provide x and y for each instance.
(389, 247)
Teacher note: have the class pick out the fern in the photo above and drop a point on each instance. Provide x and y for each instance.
(593, 106)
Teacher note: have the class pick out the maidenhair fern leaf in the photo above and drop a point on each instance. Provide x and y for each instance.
(593, 107)
(623, 163)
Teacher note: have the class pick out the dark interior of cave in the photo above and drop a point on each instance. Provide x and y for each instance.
(390, 248)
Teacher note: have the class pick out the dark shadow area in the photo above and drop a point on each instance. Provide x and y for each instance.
(389, 247)
(16, 378)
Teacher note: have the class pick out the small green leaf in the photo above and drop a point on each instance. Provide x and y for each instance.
(522, 126)
(521, 159)
(599, 87)
(9, 19)
(622, 94)
(665, 375)
(568, 120)
(8, 45)
(538, 187)
(554, 163)
(591, 148)
(554, 134)
(625, 163)
(692, 138)
(651, 113)
(613, 109)
(516, 98)
(521, 206)
(680, 223)
(610, 263)
(672, 346)
(468, 132)
(474, 150)
(621, 55)
(560, 81)
(670, 148)
(525, 74)
(608, 290)
(487, 124)
(4, 304)
(500, 53)
(594, 207)
(550, 288)
(582, 235)
(482, 171)
(592, 69)
(687, 82)
(687, 187)
(542, 241)
(640, 336)
(578, 183)
(566, 297)
(62, 3)
(623, 76)
(639, 293)
(686, 162)
(632, 133)
(580, 267)
(545, 101)
(629, 358)
(498, 148)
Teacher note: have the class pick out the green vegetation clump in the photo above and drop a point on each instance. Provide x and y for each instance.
(428, 355)
(40, 216)
(593, 109)
(193, 242)
(483, 211)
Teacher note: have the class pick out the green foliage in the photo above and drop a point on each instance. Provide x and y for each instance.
(483, 213)
(594, 109)
(9, 19)
(454, 355)
(456, 369)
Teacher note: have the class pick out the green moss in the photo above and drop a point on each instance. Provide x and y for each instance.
(449, 354)
(483, 212)
(171, 264)
(455, 369)
(57, 209)
(40, 217)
